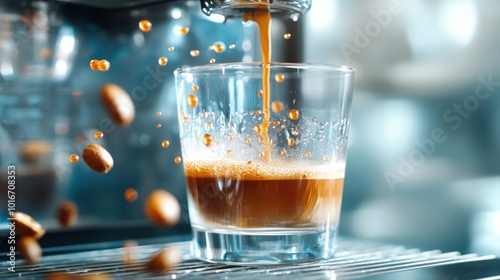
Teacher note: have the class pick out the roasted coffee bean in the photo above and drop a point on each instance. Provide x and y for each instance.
(27, 226)
(35, 151)
(98, 158)
(118, 104)
(30, 249)
(67, 213)
(162, 208)
(165, 260)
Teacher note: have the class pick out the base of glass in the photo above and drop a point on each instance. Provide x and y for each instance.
(263, 246)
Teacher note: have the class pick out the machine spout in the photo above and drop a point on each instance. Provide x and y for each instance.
(235, 8)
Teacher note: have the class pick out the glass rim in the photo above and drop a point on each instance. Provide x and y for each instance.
(234, 65)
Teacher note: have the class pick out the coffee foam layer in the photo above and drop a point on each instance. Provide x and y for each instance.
(253, 170)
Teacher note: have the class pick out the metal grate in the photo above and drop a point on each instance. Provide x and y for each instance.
(353, 260)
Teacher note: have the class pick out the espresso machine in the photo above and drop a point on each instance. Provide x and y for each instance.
(50, 106)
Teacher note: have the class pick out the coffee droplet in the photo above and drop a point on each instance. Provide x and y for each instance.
(194, 53)
(162, 61)
(209, 125)
(287, 36)
(104, 65)
(184, 30)
(232, 46)
(131, 195)
(260, 139)
(229, 154)
(276, 123)
(162, 208)
(293, 114)
(283, 152)
(219, 48)
(177, 160)
(98, 135)
(158, 114)
(277, 106)
(145, 25)
(260, 93)
(165, 143)
(291, 142)
(212, 61)
(195, 88)
(94, 64)
(29, 249)
(248, 141)
(258, 112)
(307, 154)
(279, 77)
(257, 129)
(171, 48)
(97, 158)
(230, 137)
(158, 126)
(74, 158)
(326, 158)
(207, 139)
(192, 100)
(67, 213)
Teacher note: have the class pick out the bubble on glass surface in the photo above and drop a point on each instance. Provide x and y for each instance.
(293, 114)
(192, 100)
(279, 77)
(165, 143)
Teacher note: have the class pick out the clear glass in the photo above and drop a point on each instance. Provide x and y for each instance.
(255, 199)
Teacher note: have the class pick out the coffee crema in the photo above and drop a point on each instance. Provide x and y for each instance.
(252, 194)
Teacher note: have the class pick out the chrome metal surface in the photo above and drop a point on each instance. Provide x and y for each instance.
(236, 8)
(354, 260)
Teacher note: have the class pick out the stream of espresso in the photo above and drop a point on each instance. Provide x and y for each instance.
(263, 19)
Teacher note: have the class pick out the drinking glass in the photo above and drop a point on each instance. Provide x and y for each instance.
(264, 152)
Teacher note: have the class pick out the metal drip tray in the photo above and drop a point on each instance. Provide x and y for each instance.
(353, 260)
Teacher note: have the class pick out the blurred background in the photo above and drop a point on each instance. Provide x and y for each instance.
(423, 164)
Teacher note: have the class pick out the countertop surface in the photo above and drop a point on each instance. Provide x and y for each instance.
(354, 259)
